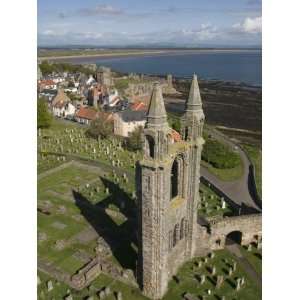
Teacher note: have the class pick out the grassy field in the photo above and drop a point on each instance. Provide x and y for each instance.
(254, 257)
(225, 174)
(211, 203)
(188, 276)
(255, 155)
(79, 199)
(71, 140)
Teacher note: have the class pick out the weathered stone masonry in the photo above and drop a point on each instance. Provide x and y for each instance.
(167, 184)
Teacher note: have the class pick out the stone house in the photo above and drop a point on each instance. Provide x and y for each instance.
(64, 109)
(60, 97)
(127, 121)
(86, 114)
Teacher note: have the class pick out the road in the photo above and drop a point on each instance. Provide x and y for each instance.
(237, 190)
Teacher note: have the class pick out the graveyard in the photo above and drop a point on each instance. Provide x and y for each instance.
(217, 276)
(87, 204)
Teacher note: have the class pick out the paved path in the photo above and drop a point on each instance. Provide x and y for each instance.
(237, 190)
(234, 249)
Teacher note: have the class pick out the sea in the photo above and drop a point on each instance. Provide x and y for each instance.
(240, 66)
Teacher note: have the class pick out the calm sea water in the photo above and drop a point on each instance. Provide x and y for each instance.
(242, 66)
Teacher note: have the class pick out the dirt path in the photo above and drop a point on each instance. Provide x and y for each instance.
(234, 249)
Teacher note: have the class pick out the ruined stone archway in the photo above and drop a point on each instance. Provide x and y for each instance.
(234, 237)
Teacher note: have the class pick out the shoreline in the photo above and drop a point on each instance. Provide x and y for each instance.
(144, 53)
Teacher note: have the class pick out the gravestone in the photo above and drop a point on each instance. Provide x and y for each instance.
(119, 296)
(107, 291)
(249, 248)
(213, 270)
(49, 285)
(68, 297)
(234, 266)
(223, 204)
(102, 294)
(220, 280)
(230, 271)
(238, 284)
(202, 279)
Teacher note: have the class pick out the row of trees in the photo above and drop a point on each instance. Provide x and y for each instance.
(99, 129)
(44, 117)
(219, 155)
(47, 68)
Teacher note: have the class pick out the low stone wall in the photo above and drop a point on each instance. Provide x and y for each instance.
(97, 266)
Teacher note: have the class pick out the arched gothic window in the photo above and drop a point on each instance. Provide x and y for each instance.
(150, 146)
(177, 178)
(174, 179)
(186, 133)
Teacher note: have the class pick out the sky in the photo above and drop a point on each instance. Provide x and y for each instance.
(186, 23)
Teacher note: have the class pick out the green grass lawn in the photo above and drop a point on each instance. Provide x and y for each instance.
(225, 174)
(55, 191)
(254, 257)
(214, 204)
(70, 139)
(256, 157)
(188, 282)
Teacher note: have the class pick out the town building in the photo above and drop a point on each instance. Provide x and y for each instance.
(127, 121)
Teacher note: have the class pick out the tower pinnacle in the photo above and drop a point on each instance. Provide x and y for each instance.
(156, 115)
(194, 102)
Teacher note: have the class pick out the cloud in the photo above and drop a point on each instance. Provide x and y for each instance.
(249, 25)
(254, 2)
(101, 9)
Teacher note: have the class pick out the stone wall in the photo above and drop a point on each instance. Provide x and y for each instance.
(213, 235)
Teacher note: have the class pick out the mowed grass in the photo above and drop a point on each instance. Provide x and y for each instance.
(254, 257)
(188, 282)
(55, 192)
(69, 139)
(214, 203)
(225, 174)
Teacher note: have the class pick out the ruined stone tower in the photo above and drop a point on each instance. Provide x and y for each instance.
(167, 183)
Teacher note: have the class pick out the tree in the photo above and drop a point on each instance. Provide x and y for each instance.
(134, 141)
(98, 128)
(44, 117)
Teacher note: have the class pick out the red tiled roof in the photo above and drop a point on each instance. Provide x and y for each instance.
(86, 113)
(91, 114)
(47, 82)
(139, 106)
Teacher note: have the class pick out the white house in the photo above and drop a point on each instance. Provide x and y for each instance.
(63, 109)
(127, 121)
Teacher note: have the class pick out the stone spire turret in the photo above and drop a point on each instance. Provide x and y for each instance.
(194, 102)
(193, 118)
(156, 115)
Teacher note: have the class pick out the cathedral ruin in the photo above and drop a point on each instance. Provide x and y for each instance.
(167, 184)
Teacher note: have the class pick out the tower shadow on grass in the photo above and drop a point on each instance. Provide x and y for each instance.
(121, 237)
